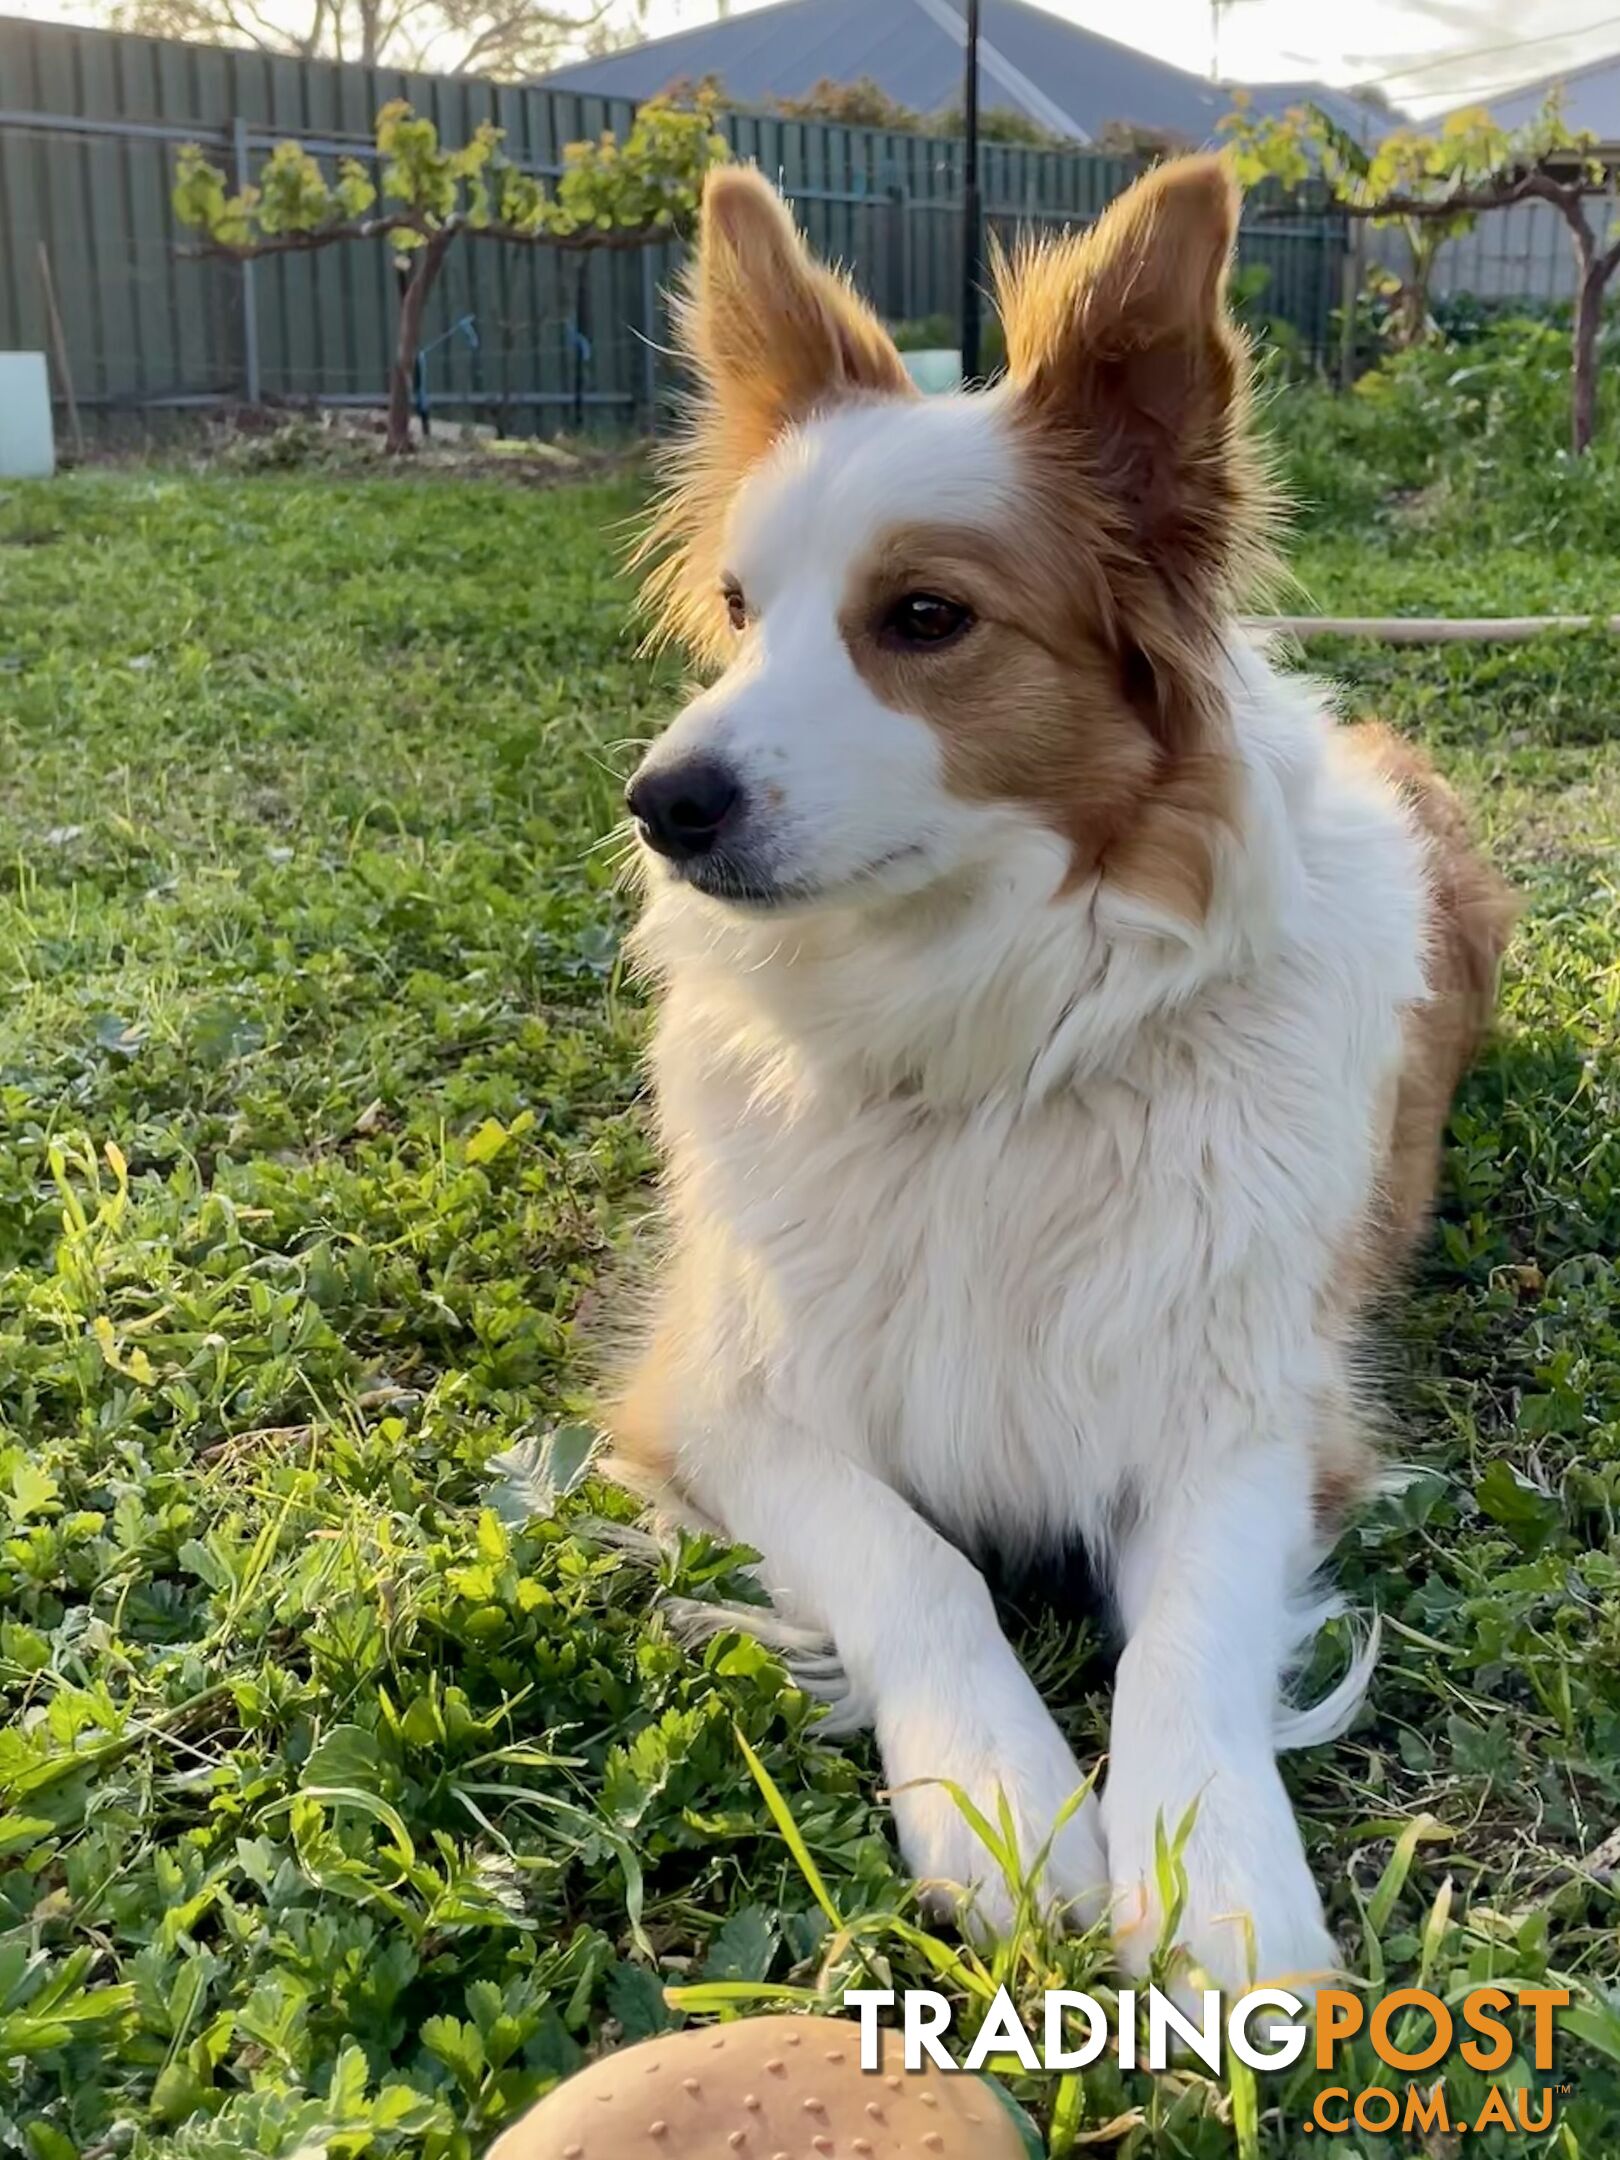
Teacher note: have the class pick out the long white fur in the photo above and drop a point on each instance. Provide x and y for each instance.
(1012, 1209)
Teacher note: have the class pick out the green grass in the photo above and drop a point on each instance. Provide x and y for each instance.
(351, 1784)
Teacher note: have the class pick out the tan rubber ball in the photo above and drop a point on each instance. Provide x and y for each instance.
(775, 2088)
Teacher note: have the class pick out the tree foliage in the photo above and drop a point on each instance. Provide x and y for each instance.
(1433, 187)
(865, 103)
(507, 39)
(1408, 173)
(643, 187)
(609, 193)
(1138, 139)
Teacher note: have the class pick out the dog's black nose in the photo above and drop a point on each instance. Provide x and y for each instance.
(683, 809)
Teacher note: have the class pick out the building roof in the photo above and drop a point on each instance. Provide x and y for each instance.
(1071, 80)
(1591, 99)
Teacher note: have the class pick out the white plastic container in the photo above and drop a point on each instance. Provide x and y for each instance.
(934, 369)
(27, 444)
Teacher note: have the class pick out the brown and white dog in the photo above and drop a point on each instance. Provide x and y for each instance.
(1059, 1014)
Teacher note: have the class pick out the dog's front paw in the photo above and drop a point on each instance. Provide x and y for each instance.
(995, 1746)
(1251, 1915)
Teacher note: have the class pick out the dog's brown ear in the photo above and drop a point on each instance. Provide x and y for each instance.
(772, 333)
(771, 336)
(1120, 345)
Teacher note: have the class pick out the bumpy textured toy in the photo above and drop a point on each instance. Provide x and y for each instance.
(774, 2088)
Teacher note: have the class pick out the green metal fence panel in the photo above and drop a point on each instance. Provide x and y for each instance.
(90, 122)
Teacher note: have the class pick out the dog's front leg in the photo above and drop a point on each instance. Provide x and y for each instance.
(1207, 1588)
(916, 1631)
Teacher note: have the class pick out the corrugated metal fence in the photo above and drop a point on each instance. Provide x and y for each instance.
(90, 122)
(1518, 254)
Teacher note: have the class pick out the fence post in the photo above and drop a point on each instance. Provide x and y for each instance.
(898, 280)
(649, 337)
(250, 297)
(1354, 271)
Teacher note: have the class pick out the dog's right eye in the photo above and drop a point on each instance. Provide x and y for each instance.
(736, 606)
(921, 619)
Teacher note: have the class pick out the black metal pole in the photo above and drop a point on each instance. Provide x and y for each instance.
(970, 200)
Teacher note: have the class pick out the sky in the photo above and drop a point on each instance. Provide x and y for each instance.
(1428, 54)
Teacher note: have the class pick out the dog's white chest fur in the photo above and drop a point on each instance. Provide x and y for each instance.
(1026, 1207)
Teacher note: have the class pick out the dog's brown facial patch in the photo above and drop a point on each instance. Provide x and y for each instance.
(1030, 703)
(1088, 687)
(1144, 511)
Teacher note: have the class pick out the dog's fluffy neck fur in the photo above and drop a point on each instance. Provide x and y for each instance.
(1001, 983)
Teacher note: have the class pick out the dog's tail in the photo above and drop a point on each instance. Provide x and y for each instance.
(1313, 1724)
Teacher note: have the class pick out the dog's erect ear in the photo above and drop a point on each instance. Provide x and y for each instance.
(772, 336)
(1120, 345)
(773, 333)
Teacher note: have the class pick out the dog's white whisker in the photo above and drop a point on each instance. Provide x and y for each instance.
(621, 835)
